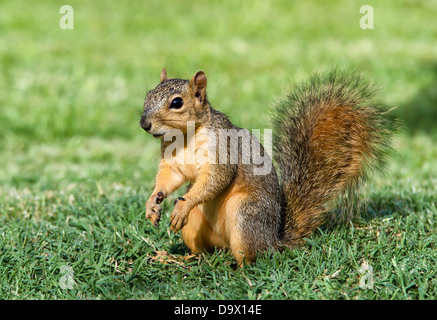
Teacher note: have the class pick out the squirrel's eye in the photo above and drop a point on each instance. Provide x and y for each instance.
(176, 103)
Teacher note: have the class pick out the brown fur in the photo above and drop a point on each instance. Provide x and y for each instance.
(325, 140)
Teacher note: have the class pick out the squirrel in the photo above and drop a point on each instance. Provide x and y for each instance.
(329, 134)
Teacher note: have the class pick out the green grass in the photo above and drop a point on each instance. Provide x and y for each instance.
(76, 169)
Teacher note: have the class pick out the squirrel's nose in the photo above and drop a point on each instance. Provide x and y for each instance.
(146, 124)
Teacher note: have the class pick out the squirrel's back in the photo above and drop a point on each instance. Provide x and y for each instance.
(329, 134)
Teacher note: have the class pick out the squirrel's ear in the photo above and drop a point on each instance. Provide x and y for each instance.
(163, 75)
(198, 84)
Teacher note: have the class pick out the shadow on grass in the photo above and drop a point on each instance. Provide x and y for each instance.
(420, 113)
(180, 249)
(386, 205)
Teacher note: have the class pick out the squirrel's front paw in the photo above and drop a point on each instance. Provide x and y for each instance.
(153, 209)
(154, 214)
(179, 216)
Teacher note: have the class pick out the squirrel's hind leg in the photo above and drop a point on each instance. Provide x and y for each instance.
(252, 225)
(230, 220)
(198, 234)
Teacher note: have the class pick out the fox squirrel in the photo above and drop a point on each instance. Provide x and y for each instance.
(328, 134)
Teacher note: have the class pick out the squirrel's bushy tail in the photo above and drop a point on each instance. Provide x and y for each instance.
(329, 134)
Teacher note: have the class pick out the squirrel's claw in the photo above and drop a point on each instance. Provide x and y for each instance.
(153, 209)
(178, 224)
(179, 216)
(154, 214)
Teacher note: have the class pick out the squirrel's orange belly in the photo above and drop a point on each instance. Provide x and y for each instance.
(222, 214)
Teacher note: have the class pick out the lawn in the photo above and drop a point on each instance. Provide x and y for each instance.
(76, 168)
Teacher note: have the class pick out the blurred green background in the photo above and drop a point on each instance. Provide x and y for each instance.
(70, 100)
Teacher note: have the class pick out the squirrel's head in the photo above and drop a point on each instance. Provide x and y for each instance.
(174, 102)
